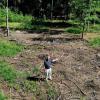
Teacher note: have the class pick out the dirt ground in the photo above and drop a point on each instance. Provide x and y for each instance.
(76, 76)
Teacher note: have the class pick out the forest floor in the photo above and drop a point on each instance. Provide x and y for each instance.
(76, 76)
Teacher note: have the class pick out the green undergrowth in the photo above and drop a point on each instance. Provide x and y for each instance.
(18, 21)
(2, 96)
(8, 48)
(7, 72)
(30, 86)
(14, 16)
(94, 28)
(73, 30)
(95, 42)
(52, 93)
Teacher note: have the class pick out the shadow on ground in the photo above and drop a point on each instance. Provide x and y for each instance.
(35, 78)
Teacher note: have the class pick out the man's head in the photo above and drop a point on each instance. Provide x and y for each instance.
(47, 57)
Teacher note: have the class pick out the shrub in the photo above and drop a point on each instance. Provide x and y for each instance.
(74, 30)
(26, 25)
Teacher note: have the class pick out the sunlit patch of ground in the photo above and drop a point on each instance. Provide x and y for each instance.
(88, 36)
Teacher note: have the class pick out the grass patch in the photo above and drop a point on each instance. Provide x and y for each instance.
(7, 72)
(95, 28)
(73, 22)
(11, 24)
(95, 42)
(2, 96)
(8, 48)
(30, 86)
(73, 30)
(52, 93)
(25, 26)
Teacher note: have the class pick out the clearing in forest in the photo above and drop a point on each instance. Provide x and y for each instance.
(75, 75)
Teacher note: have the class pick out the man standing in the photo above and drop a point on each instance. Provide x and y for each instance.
(48, 66)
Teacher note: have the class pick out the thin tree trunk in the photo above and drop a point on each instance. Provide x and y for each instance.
(7, 26)
(82, 36)
(94, 23)
(52, 10)
(88, 27)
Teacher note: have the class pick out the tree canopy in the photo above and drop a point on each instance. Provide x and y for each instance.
(64, 9)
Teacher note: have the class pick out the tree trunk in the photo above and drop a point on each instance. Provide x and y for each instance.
(52, 9)
(82, 36)
(94, 23)
(7, 26)
(88, 27)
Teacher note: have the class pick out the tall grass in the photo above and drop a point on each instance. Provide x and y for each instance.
(8, 48)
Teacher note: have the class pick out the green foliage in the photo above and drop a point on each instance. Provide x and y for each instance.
(74, 30)
(2, 15)
(51, 92)
(26, 25)
(14, 16)
(97, 10)
(95, 42)
(16, 20)
(13, 25)
(73, 22)
(79, 9)
(2, 96)
(92, 18)
(30, 86)
(8, 48)
(7, 72)
(95, 28)
(19, 21)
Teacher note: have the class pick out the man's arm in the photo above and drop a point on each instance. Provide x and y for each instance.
(54, 60)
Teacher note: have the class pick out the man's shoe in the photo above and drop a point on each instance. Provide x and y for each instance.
(50, 78)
